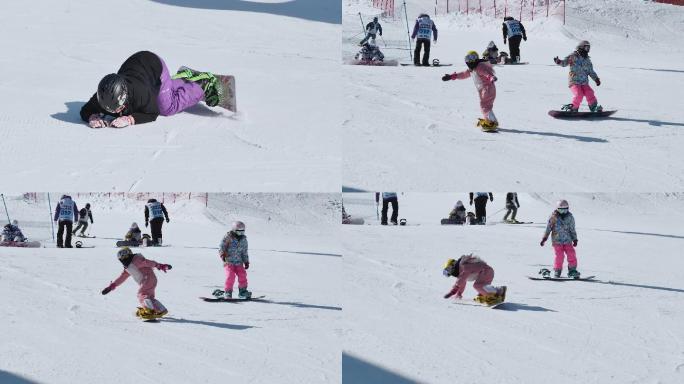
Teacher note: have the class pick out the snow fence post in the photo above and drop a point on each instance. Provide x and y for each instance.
(408, 34)
(6, 211)
(52, 224)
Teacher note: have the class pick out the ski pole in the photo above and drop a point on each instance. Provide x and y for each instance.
(363, 26)
(6, 211)
(52, 225)
(383, 41)
(408, 34)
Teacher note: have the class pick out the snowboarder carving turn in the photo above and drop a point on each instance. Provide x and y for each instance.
(143, 273)
(142, 89)
(561, 227)
(581, 69)
(484, 77)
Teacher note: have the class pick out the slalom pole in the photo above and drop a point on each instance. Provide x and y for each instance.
(408, 34)
(6, 211)
(363, 26)
(52, 225)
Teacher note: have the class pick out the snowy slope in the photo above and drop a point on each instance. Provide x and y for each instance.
(57, 328)
(282, 54)
(623, 328)
(405, 129)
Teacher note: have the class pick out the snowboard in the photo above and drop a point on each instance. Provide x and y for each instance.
(85, 236)
(579, 115)
(227, 96)
(561, 278)
(128, 243)
(478, 304)
(374, 63)
(431, 65)
(451, 222)
(233, 300)
(517, 222)
(486, 129)
(354, 221)
(20, 244)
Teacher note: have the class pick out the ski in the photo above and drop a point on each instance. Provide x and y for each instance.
(517, 222)
(562, 278)
(431, 65)
(20, 244)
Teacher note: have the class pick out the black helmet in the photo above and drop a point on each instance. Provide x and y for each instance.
(375, 18)
(152, 200)
(112, 93)
(507, 18)
(87, 205)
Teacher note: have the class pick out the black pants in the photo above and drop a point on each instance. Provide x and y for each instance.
(156, 228)
(83, 224)
(395, 210)
(368, 37)
(481, 209)
(514, 45)
(64, 225)
(426, 56)
(511, 209)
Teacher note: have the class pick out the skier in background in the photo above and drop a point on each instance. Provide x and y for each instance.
(233, 251)
(84, 214)
(458, 214)
(512, 206)
(481, 205)
(484, 77)
(12, 233)
(142, 89)
(561, 226)
(424, 28)
(514, 31)
(581, 69)
(472, 268)
(141, 269)
(155, 212)
(387, 199)
(372, 30)
(66, 213)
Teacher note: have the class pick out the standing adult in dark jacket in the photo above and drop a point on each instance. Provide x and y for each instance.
(66, 213)
(481, 205)
(141, 90)
(514, 31)
(155, 212)
(387, 199)
(424, 28)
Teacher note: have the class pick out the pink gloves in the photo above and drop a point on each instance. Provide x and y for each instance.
(123, 121)
(95, 121)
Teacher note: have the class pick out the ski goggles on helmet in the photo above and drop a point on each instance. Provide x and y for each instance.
(585, 47)
(239, 232)
(562, 210)
(471, 58)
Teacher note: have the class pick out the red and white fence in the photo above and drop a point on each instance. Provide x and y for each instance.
(520, 9)
(673, 2)
(387, 7)
(164, 197)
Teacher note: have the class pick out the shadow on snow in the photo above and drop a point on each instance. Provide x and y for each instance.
(641, 233)
(656, 123)
(72, 114)
(325, 11)
(297, 304)
(585, 139)
(508, 306)
(356, 370)
(11, 378)
(668, 289)
(207, 323)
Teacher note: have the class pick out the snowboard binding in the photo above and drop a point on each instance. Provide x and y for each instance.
(545, 273)
(402, 222)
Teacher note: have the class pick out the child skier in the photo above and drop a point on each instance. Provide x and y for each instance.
(458, 214)
(83, 215)
(142, 89)
(12, 233)
(469, 268)
(581, 69)
(561, 226)
(141, 269)
(484, 78)
(233, 253)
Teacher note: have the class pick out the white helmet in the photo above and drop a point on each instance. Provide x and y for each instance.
(562, 204)
(15, 223)
(134, 225)
(237, 226)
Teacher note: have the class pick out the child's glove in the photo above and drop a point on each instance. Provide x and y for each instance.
(167, 219)
(542, 242)
(109, 288)
(598, 82)
(95, 121)
(446, 77)
(494, 78)
(448, 295)
(246, 264)
(163, 267)
(146, 223)
(574, 243)
(556, 60)
(123, 121)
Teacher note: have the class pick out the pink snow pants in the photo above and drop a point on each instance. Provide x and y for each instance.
(231, 271)
(176, 95)
(561, 250)
(487, 97)
(581, 91)
(484, 278)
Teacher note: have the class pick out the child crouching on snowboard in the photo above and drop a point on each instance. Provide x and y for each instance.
(581, 69)
(469, 268)
(143, 89)
(233, 253)
(561, 226)
(483, 75)
(141, 269)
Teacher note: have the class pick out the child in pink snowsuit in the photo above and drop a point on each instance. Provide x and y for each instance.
(233, 253)
(483, 75)
(471, 268)
(141, 269)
